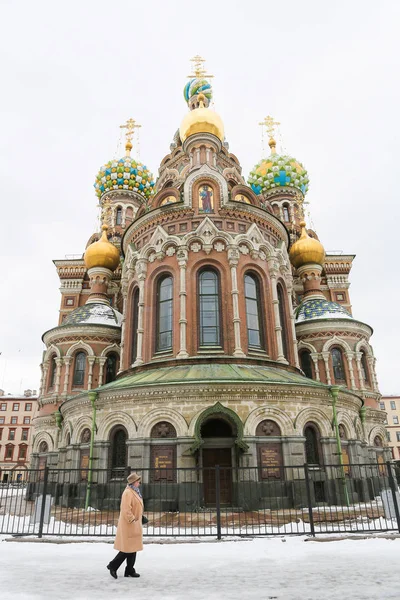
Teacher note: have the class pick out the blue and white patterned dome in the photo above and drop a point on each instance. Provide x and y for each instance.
(319, 308)
(94, 313)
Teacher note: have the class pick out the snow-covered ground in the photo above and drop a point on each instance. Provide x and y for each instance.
(268, 568)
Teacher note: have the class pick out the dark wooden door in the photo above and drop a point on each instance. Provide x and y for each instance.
(223, 458)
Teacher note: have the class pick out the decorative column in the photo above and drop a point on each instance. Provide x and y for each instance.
(182, 257)
(141, 270)
(273, 272)
(371, 364)
(292, 326)
(67, 362)
(233, 260)
(326, 356)
(124, 293)
(358, 356)
(59, 362)
(102, 361)
(91, 361)
(45, 369)
(314, 358)
(350, 356)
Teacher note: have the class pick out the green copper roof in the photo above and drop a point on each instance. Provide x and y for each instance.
(210, 373)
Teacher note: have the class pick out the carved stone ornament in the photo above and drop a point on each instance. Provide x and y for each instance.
(195, 247)
(170, 251)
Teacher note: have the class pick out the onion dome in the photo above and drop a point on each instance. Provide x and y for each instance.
(197, 86)
(94, 313)
(278, 171)
(125, 174)
(320, 308)
(201, 120)
(102, 253)
(306, 250)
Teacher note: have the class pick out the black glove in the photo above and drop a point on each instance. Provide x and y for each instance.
(144, 520)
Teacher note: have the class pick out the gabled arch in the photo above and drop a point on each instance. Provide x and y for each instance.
(344, 418)
(67, 429)
(378, 430)
(111, 420)
(205, 172)
(217, 409)
(265, 412)
(43, 436)
(51, 350)
(162, 414)
(335, 341)
(79, 346)
(362, 345)
(84, 422)
(314, 415)
(306, 346)
(111, 348)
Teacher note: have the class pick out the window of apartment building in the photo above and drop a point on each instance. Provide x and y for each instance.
(11, 434)
(14, 420)
(28, 406)
(393, 405)
(388, 436)
(9, 452)
(395, 420)
(16, 406)
(2, 420)
(398, 436)
(1, 433)
(382, 405)
(3, 406)
(22, 452)
(24, 435)
(27, 420)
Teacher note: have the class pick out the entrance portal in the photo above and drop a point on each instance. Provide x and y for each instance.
(218, 441)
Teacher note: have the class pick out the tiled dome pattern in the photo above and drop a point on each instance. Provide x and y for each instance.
(124, 174)
(196, 86)
(319, 308)
(278, 171)
(94, 313)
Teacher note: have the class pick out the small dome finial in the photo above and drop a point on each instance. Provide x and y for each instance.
(130, 127)
(270, 125)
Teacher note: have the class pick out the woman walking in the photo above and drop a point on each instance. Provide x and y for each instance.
(129, 538)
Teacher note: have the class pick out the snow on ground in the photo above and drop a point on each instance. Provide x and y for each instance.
(268, 568)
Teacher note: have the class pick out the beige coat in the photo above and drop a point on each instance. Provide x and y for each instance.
(129, 536)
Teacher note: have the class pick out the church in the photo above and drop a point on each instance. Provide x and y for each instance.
(206, 325)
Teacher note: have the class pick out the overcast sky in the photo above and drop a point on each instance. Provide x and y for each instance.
(72, 72)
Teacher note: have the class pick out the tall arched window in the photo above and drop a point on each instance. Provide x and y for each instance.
(312, 435)
(286, 217)
(282, 318)
(164, 314)
(118, 217)
(255, 335)
(305, 363)
(338, 366)
(209, 311)
(118, 452)
(53, 371)
(79, 368)
(111, 367)
(135, 316)
(364, 368)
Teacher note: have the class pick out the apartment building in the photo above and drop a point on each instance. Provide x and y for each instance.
(391, 404)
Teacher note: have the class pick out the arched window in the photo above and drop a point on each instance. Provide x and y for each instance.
(53, 371)
(111, 367)
(255, 335)
(43, 447)
(86, 435)
(364, 368)
(135, 316)
(209, 310)
(118, 452)
(338, 367)
(312, 435)
(305, 363)
(118, 217)
(164, 314)
(286, 217)
(79, 368)
(282, 318)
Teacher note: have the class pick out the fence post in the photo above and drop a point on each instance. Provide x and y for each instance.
(393, 487)
(42, 509)
(218, 500)
(310, 512)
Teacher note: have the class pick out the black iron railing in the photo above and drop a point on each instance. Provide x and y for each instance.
(216, 501)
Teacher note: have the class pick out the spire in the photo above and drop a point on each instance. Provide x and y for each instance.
(130, 127)
(198, 68)
(269, 124)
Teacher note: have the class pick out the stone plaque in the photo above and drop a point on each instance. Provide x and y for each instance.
(270, 461)
(84, 464)
(163, 463)
(346, 461)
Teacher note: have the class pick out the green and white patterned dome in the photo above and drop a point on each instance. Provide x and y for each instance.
(278, 171)
(125, 174)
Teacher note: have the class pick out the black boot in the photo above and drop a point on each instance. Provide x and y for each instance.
(131, 573)
(113, 572)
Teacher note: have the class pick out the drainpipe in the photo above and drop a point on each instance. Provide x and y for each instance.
(92, 398)
(334, 390)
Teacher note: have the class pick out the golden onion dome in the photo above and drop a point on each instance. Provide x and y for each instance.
(201, 120)
(306, 250)
(102, 253)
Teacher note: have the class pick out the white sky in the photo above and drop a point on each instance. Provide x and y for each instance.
(73, 72)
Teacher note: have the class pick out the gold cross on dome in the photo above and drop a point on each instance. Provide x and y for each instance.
(198, 67)
(269, 125)
(130, 127)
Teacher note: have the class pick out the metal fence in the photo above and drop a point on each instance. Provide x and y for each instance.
(218, 502)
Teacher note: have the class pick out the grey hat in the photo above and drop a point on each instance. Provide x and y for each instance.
(133, 477)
